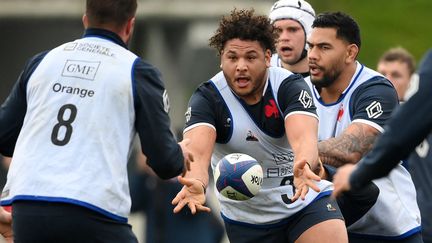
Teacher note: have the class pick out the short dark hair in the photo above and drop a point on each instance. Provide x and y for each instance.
(110, 12)
(346, 27)
(399, 54)
(244, 25)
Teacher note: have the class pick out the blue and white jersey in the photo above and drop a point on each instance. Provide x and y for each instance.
(370, 99)
(259, 131)
(275, 61)
(70, 121)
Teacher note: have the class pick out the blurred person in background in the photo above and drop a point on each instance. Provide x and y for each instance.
(354, 103)
(69, 123)
(292, 20)
(267, 113)
(406, 129)
(398, 66)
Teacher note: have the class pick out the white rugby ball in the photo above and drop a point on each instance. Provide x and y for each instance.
(238, 176)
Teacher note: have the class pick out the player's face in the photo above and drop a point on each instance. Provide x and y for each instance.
(291, 40)
(398, 73)
(327, 56)
(245, 65)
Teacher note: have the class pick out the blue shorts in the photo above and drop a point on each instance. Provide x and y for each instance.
(48, 222)
(290, 229)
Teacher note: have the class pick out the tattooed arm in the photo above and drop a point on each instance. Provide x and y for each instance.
(349, 147)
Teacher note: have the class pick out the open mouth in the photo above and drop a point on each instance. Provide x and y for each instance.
(314, 69)
(285, 48)
(242, 81)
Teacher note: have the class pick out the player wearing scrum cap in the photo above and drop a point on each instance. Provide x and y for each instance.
(292, 20)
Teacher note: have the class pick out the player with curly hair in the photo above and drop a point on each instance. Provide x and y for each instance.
(267, 113)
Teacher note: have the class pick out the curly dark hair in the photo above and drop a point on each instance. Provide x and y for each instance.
(244, 25)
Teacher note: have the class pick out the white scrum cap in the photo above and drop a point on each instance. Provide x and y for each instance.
(298, 10)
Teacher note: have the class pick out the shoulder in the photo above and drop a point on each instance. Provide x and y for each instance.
(376, 87)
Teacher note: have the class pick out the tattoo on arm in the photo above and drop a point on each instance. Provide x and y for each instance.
(348, 147)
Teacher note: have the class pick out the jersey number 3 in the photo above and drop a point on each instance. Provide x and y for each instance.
(65, 123)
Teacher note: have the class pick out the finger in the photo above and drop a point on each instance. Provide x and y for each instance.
(179, 207)
(311, 175)
(177, 198)
(304, 191)
(192, 207)
(202, 208)
(312, 185)
(296, 195)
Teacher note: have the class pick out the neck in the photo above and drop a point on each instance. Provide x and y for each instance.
(300, 67)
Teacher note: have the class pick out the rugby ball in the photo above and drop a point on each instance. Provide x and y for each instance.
(238, 176)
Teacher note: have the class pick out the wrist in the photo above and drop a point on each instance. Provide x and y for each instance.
(204, 186)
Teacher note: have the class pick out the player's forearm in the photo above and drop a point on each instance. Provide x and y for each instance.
(345, 149)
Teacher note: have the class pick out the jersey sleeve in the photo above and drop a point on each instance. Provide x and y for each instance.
(201, 107)
(152, 122)
(294, 96)
(408, 127)
(13, 110)
(373, 102)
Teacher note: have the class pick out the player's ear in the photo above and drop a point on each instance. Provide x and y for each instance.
(85, 21)
(267, 56)
(352, 52)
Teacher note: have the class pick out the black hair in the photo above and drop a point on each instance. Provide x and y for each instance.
(244, 25)
(346, 27)
(110, 12)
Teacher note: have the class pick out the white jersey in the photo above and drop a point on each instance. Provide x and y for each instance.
(275, 61)
(396, 212)
(275, 156)
(62, 92)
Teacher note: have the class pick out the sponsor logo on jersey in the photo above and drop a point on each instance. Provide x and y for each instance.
(166, 101)
(271, 109)
(188, 114)
(423, 149)
(70, 46)
(305, 99)
(283, 158)
(280, 171)
(340, 113)
(330, 207)
(227, 122)
(374, 110)
(251, 137)
(80, 69)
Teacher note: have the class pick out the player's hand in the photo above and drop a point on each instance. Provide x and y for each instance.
(341, 179)
(304, 178)
(192, 194)
(187, 155)
(6, 225)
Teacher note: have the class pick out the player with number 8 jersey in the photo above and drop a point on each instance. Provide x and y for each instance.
(72, 116)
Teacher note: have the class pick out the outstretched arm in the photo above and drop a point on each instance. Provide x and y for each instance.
(202, 141)
(302, 133)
